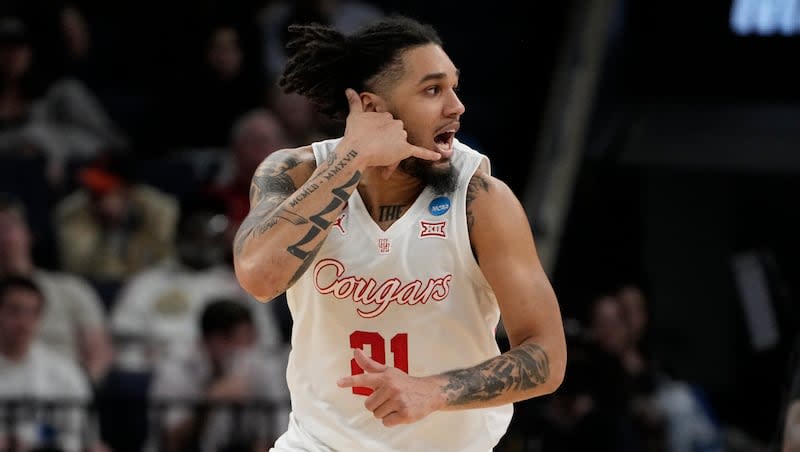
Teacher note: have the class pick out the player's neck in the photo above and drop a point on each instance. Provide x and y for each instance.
(398, 189)
(386, 200)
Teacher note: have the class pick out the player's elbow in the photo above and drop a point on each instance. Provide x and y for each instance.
(553, 366)
(558, 364)
(558, 369)
(255, 280)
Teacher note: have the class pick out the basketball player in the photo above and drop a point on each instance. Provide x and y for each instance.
(399, 252)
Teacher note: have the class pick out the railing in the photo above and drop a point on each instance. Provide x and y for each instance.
(74, 425)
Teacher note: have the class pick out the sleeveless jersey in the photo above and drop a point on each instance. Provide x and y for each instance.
(412, 297)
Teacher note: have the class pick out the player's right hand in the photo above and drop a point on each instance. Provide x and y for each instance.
(381, 139)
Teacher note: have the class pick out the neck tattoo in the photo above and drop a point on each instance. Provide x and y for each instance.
(389, 213)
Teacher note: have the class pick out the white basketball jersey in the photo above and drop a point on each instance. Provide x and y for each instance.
(412, 297)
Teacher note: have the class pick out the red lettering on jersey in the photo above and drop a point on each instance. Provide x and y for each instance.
(432, 229)
(329, 279)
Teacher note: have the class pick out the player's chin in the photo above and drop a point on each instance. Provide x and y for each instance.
(443, 164)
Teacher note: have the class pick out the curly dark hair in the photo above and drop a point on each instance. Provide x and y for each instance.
(323, 62)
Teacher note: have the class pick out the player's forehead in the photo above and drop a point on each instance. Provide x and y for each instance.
(427, 62)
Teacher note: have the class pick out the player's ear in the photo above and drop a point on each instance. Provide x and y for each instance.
(372, 102)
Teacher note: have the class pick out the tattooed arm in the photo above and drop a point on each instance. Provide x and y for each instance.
(292, 205)
(504, 247)
(294, 202)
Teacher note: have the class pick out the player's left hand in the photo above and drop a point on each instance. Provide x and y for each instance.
(397, 397)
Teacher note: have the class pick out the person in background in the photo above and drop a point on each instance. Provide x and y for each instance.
(346, 16)
(156, 311)
(215, 90)
(73, 321)
(113, 226)
(303, 123)
(59, 119)
(254, 136)
(787, 434)
(31, 372)
(224, 368)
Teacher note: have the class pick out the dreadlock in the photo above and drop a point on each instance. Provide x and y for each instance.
(323, 62)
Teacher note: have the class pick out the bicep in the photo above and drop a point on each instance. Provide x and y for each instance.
(277, 177)
(504, 244)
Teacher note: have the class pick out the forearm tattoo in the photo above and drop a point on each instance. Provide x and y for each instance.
(519, 369)
(272, 185)
(340, 196)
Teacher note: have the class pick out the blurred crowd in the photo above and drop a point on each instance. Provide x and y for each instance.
(122, 325)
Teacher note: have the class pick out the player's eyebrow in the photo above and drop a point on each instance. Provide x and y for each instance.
(436, 76)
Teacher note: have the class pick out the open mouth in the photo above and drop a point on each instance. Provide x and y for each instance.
(444, 142)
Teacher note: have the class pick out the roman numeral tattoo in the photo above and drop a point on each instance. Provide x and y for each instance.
(270, 189)
(340, 196)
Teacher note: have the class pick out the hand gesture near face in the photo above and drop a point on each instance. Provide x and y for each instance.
(381, 137)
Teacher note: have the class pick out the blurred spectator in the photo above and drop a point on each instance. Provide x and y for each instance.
(113, 226)
(568, 417)
(640, 368)
(224, 367)
(787, 437)
(33, 372)
(157, 310)
(612, 389)
(690, 423)
(660, 412)
(62, 120)
(254, 136)
(213, 95)
(76, 56)
(303, 123)
(346, 16)
(73, 323)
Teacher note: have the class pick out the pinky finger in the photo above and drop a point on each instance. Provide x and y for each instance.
(425, 154)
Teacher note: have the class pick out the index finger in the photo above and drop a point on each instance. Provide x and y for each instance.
(368, 380)
(353, 100)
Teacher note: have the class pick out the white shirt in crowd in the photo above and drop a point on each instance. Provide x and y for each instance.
(159, 310)
(187, 374)
(46, 375)
(71, 307)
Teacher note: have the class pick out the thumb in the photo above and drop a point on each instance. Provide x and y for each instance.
(367, 363)
(353, 100)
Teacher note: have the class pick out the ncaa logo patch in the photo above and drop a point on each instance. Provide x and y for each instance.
(439, 206)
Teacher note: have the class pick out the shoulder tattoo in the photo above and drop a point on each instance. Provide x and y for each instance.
(477, 185)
